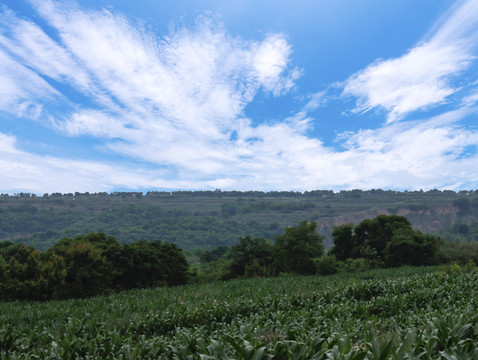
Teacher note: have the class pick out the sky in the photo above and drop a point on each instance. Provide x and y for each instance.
(270, 95)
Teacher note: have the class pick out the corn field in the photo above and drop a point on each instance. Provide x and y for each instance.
(406, 313)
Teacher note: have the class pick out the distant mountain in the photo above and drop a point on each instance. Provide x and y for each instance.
(205, 219)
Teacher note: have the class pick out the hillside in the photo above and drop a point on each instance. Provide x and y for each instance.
(209, 218)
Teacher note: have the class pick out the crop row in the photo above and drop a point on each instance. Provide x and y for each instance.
(397, 314)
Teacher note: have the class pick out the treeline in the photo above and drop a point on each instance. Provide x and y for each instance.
(87, 265)
(385, 241)
(94, 264)
(355, 193)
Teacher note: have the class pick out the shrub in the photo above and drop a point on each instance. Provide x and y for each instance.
(356, 265)
(326, 265)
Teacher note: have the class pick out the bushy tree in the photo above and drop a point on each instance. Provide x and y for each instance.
(344, 242)
(326, 265)
(297, 246)
(53, 276)
(88, 271)
(22, 274)
(386, 239)
(378, 232)
(411, 248)
(144, 268)
(174, 264)
(256, 255)
(153, 263)
(88, 265)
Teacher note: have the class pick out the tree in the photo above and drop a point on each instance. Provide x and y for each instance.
(297, 247)
(144, 268)
(22, 274)
(378, 232)
(388, 239)
(344, 244)
(411, 248)
(207, 256)
(53, 276)
(174, 264)
(326, 265)
(152, 263)
(88, 271)
(256, 255)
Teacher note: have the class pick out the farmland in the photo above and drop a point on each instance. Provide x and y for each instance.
(400, 313)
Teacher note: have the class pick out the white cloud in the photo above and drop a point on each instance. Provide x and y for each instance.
(173, 100)
(422, 77)
(28, 42)
(176, 103)
(21, 89)
(421, 154)
(27, 172)
(270, 60)
(414, 81)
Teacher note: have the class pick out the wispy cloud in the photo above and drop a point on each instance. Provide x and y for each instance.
(423, 154)
(22, 90)
(423, 76)
(173, 100)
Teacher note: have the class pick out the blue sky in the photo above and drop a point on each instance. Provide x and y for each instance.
(244, 95)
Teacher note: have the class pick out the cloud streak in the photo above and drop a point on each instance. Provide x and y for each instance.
(423, 76)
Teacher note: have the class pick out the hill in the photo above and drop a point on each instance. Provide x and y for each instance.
(205, 219)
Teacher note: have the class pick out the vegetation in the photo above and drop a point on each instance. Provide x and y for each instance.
(461, 233)
(297, 247)
(93, 264)
(385, 241)
(406, 313)
(206, 219)
(355, 313)
(86, 266)
(388, 240)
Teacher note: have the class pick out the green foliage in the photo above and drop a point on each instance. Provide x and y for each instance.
(207, 256)
(378, 232)
(252, 257)
(297, 247)
(86, 266)
(454, 268)
(174, 264)
(385, 240)
(407, 313)
(411, 249)
(326, 265)
(458, 252)
(22, 275)
(88, 272)
(207, 219)
(344, 242)
(54, 272)
(357, 265)
(461, 232)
